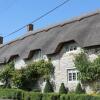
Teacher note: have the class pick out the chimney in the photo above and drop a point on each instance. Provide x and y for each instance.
(30, 27)
(1, 40)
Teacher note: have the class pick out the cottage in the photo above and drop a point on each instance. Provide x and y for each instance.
(59, 43)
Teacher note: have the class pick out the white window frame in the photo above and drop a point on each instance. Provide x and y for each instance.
(72, 75)
(71, 47)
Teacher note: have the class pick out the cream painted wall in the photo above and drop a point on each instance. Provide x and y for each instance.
(62, 62)
(19, 63)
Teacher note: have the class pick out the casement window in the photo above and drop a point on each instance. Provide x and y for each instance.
(70, 48)
(72, 75)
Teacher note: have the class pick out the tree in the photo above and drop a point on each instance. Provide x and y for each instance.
(79, 89)
(62, 89)
(6, 75)
(48, 87)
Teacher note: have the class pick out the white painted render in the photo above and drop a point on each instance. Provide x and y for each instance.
(19, 63)
(63, 61)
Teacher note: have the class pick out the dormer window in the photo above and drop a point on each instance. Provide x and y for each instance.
(75, 47)
(37, 55)
(70, 47)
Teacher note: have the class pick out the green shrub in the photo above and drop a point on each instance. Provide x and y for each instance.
(36, 90)
(62, 89)
(32, 96)
(76, 97)
(11, 94)
(16, 94)
(79, 89)
(96, 98)
(25, 78)
(6, 75)
(64, 97)
(51, 96)
(48, 87)
(26, 96)
(35, 96)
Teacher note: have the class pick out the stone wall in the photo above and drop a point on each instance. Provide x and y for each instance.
(62, 61)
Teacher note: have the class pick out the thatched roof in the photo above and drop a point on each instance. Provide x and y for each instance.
(83, 30)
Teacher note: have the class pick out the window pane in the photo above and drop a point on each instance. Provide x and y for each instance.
(74, 76)
(71, 48)
(67, 49)
(70, 77)
(75, 48)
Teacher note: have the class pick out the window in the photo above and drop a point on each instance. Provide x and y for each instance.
(72, 75)
(75, 47)
(71, 48)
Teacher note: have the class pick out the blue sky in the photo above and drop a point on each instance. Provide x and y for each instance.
(16, 13)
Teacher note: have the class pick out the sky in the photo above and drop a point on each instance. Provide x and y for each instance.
(16, 13)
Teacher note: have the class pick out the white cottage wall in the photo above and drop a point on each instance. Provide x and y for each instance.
(19, 63)
(63, 61)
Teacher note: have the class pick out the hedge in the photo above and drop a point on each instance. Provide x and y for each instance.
(79, 97)
(51, 96)
(23, 95)
(11, 94)
(32, 96)
(40, 96)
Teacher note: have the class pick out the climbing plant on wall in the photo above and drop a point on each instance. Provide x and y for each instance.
(26, 78)
(89, 71)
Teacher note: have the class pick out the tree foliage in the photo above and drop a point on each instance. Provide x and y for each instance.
(6, 75)
(26, 78)
(62, 89)
(89, 71)
(19, 78)
(41, 68)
